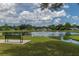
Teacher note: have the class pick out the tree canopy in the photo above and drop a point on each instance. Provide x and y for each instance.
(51, 6)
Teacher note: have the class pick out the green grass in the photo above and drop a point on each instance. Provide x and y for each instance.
(38, 31)
(74, 37)
(36, 39)
(46, 48)
(70, 30)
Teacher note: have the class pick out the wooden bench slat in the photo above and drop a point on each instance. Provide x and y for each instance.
(13, 35)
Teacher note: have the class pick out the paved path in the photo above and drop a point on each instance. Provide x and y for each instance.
(14, 41)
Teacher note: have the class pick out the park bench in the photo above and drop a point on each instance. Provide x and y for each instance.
(14, 36)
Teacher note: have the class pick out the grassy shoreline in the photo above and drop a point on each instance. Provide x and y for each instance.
(40, 31)
(74, 37)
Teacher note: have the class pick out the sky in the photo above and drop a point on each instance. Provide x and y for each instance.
(30, 13)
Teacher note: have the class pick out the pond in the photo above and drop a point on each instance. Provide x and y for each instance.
(47, 33)
(71, 41)
(52, 33)
(60, 34)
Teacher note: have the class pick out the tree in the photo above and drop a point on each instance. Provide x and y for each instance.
(59, 27)
(67, 26)
(53, 27)
(23, 26)
(74, 25)
(29, 27)
(6, 27)
(51, 6)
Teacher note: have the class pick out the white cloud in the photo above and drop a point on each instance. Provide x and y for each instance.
(57, 21)
(36, 15)
(7, 9)
(68, 16)
(59, 13)
(41, 15)
(8, 12)
(6, 6)
(75, 17)
(36, 4)
(46, 18)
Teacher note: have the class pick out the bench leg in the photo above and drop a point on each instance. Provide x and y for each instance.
(21, 40)
(5, 39)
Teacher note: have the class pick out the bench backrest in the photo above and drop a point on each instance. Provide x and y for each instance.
(13, 35)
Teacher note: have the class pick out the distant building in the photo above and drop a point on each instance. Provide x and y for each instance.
(74, 28)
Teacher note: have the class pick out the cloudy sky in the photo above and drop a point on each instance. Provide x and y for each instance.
(30, 13)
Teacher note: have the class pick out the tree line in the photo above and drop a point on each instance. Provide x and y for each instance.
(66, 26)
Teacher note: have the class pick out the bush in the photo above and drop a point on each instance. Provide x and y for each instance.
(67, 36)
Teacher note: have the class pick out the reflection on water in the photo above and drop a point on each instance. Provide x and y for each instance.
(52, 33)
(47, 33)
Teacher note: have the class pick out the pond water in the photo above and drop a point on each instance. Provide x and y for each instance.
(71, 41)
(61, 34)
(47, 33)
(52, 33)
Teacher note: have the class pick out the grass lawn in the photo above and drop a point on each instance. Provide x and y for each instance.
(74, 37)
(70, 30)
(36, 39)
(38, 31)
